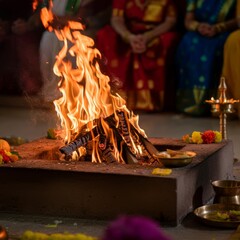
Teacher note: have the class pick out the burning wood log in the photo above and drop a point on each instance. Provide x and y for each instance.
(127, 140)
(80, 141)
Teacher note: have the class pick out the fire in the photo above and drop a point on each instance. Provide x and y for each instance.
(90, 112)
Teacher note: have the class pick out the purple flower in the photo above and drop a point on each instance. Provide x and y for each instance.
(134, 228)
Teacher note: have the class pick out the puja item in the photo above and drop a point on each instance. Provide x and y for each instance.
(227, 191)
(206, 137)
(6, 155)
(30, 235)
(4, 145)
(222, 106)
(175, 158)
(161, 171)
(219, 215)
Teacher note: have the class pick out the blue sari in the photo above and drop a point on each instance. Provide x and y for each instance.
(199, 58)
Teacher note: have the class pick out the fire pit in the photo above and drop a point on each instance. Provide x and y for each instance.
(105, 163)
(41, 184)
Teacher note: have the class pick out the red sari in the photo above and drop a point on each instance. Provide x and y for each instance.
(142, 75)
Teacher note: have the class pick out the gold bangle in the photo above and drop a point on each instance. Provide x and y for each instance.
(193, 25)
(220, 27)
(125, 36)
(148, 35)
(117, 12)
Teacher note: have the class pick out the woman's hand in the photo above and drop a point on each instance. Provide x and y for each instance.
(138, 43)
(206, 30)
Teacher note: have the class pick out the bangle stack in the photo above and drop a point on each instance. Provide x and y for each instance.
(125, 36)
(193, 26)
(220, 27)
(148, 35)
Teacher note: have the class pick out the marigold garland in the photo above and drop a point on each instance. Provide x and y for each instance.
(208, 136)
(29, 235)
(6, 155)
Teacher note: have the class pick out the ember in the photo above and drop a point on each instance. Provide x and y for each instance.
(96, 124)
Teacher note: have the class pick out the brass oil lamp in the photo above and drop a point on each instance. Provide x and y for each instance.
(222, 106)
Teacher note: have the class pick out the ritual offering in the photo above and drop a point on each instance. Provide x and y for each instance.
(219, 215)
(6, 155)
(162, 171)
(30, 235)
(206, 137)
(175, 158)
(4, 145)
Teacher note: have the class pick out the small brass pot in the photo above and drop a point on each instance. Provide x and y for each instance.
(226, 191)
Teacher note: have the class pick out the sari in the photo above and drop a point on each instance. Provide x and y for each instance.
(231, 62)
(199, 58)
(231, 70)
(141, 76)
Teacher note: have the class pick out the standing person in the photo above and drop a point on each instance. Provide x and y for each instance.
(136, 47)
(199, 55)
(88, 12)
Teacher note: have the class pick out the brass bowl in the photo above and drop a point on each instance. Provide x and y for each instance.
(208, 214)
(227, 191)
(175, 162)
(226, 187)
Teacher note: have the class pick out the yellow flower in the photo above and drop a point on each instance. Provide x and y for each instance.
(8, 153)
(162, 171)
(197, 137)
(218, 137)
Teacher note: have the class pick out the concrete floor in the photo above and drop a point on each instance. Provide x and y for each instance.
(24, 118)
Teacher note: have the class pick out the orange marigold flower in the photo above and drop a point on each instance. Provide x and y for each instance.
(186, 138)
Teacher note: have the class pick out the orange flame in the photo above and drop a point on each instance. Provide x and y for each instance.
(86, 93)
(47, 16)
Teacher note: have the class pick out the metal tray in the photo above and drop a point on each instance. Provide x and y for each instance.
(208, 214)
